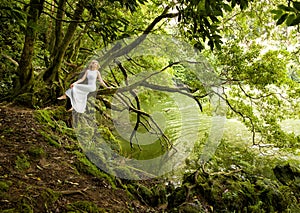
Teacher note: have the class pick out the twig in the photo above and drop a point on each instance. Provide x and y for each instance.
(10, 59)
(226, 173)
(71, 192)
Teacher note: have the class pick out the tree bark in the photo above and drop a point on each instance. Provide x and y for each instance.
(51, 73)
(24, 78)
(58, 23)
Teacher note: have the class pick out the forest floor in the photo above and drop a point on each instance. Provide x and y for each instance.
(38, 177)
(43, 169)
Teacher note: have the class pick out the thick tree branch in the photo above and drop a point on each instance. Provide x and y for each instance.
(125, 50)
(169, 89)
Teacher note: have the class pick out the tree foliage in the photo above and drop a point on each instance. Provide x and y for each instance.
(288, 14)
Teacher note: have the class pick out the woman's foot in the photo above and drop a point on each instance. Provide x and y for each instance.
(62, 97)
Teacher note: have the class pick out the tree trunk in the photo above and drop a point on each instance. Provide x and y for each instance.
(52, 72)
(59, 24)
(24, 78)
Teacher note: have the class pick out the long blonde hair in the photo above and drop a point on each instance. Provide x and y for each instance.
(90, 65)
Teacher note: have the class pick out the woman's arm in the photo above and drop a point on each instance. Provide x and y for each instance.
(80, 80)
(101, 80)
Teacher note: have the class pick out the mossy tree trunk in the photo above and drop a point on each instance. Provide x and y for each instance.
(52, 73)
(59, 24)
(24, 79)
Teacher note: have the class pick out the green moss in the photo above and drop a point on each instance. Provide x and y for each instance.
(191, 208)
(24, 208)
(83, 165)
(84, 206)
(51, 140)
(22, 163)
(55, 119)
(72, 147)
(8, 211)
(177, 197)
(25, 99)
(8, 131)
(49, 197)
(153, 196)
(36, 152)
(4, 185)
(45, 117)
(161, 193)
(124, 171)
(108, 136)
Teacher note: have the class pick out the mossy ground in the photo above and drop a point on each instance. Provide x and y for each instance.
(43, 169)
(39, 173)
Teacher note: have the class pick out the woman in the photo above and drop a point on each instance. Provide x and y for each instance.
(78, 92)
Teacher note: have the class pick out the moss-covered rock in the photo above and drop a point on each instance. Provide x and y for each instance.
(233, 191)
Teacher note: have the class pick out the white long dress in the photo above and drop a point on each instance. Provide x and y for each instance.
(78, 93)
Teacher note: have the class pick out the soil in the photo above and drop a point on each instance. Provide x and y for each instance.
(38, 177)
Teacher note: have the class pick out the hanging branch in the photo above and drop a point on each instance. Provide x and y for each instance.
(137, 109)
(137, 101)
(143, 114)
(241, 114)
(114, 76)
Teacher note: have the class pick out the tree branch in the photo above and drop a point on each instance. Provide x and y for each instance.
(10, 59)
(125, 50)
(169, 89)
(242, 115)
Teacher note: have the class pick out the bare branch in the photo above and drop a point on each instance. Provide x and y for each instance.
(259, 97)
(10, 59)
(142, 114)
(241, 114)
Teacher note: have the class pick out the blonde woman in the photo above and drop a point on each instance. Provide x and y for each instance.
(78, 92)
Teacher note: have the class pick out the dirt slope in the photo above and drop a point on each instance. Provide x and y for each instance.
(38, 177)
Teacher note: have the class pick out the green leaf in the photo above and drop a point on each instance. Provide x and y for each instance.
(286, 8)
(281, 19)
(290, 19)
(211, 44)
(276, 17)
(206, 22)
(201, 6)
(277, 12)
(227, 8)
(233, 3)
(243, 4)
(296, 5)
(296, 21)
(214, 19)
